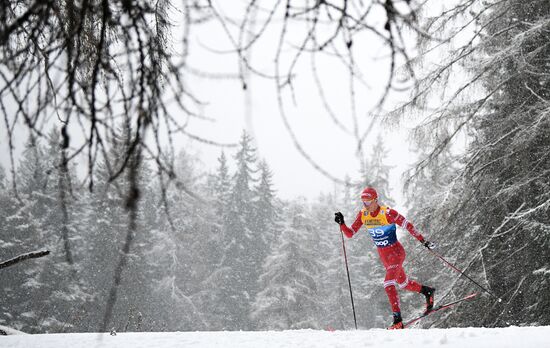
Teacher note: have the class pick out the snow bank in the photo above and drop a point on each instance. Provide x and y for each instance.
(9, 331)
(511, 337)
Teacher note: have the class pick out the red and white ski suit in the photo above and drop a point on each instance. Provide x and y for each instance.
(381, 225)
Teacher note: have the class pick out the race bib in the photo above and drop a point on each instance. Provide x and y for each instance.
(383, 235)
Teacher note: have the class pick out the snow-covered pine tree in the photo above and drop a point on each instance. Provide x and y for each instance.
(266, 221)
(221, 188)
(335, 297)
(509, 176)
(62, 288)
(23, 233)
(48, 288)
(495, 207)
(132, 310)
(376, 173)
(239, 281)
(433, 197)
(108, 219)
(13, 241)
(266, 210)
(211, 294)
(179, 255)
(290, 295)
(158, 312)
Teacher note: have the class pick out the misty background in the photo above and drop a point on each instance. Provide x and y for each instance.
(183, 162)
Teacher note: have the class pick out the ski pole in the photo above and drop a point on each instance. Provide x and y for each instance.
(349, 280)
(464, 274)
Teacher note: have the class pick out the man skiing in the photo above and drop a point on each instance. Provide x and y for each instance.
(380, 222)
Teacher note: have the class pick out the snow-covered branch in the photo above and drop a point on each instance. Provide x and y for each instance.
(22, 257)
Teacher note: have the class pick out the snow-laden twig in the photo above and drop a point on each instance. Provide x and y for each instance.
(508, 218)
(532, 210)
(483, 267)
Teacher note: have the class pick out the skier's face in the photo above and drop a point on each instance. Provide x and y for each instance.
(369, 203)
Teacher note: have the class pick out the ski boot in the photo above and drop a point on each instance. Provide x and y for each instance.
(397, 321)
(429, 293)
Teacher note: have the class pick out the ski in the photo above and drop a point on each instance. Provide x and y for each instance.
(438, 308)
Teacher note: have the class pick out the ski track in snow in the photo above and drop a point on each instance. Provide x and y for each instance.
(510, 337)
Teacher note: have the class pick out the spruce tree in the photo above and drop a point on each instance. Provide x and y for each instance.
(63, 289)
(376, 174)
(108, 216)
(334, 298)
(23, 233)
(44, 220)
(513, 137)
(493, 200)
(214, 291)
(266, 220)
(290, 295)
(221, 188)
(239, 241)
(177, 256)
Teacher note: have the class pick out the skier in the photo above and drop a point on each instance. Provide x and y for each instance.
(380, 222)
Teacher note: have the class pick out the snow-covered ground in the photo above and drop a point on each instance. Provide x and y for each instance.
(511, 337)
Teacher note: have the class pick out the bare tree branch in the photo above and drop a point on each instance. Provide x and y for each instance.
(22, 257)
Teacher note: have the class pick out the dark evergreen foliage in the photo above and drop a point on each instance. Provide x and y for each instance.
(490, 208)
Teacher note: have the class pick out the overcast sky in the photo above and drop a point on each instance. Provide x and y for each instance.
(329, 146)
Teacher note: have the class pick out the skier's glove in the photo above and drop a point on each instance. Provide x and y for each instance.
(339, 218)
(429, 245)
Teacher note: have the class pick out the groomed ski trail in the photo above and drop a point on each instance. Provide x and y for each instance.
(510, 337)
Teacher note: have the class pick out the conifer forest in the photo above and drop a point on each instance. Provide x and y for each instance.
(120, 228)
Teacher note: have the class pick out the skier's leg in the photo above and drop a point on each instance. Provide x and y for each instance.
(391, 258)
(393, 297)
(391, 261)
(429, 294)
(408, 284)
(402, 280)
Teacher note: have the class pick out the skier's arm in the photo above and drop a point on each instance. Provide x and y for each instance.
(349, 232)
(395, 217)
